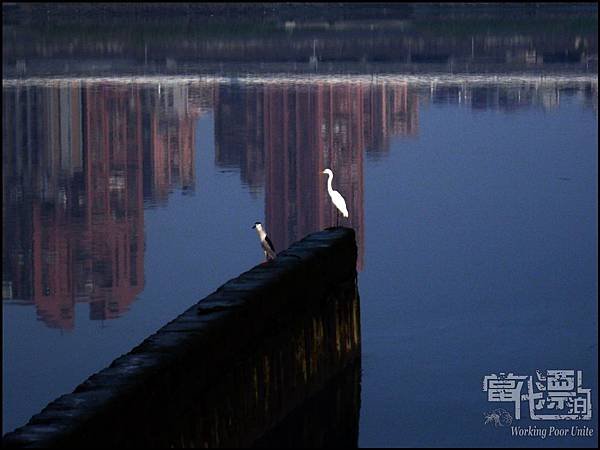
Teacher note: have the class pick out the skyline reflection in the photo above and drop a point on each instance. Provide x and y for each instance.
(78, 164)
(82, 161)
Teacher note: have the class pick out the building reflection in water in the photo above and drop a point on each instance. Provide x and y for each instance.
(80, 162)
(284, 135)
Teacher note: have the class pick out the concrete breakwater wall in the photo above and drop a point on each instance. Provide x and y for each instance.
(248, 365)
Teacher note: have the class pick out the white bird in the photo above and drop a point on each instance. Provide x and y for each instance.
(265, 242)
(335, 196)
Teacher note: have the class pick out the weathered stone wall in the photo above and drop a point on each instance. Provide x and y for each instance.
(229, 370)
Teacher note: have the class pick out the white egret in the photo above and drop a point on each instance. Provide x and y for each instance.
(335, 196)
(265, 242)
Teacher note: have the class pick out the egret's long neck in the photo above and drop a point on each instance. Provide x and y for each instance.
(329, 179)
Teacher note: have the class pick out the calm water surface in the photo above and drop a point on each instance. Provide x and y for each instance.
(474, 204)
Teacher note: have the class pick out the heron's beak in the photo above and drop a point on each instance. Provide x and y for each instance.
(253, 226)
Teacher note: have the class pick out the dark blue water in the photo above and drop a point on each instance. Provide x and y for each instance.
(475, 205)
(481, 258)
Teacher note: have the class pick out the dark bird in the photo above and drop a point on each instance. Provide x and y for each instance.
(265, 242)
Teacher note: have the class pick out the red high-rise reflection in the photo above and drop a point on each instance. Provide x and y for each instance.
(294, 131)
(84, 159)
(171, 142)
(78, 163)
(77, 158)
(309, 128)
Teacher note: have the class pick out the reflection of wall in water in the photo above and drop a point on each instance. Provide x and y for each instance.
(309, 359)
(330, 419)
